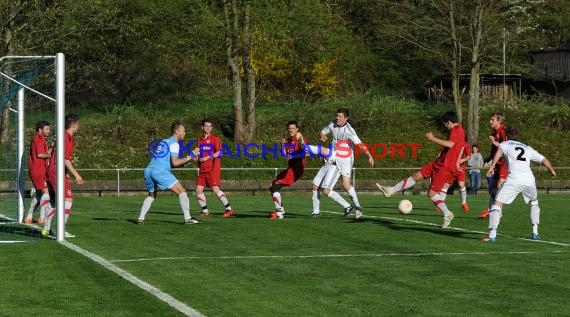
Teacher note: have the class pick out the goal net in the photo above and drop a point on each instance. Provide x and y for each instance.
(31, 90)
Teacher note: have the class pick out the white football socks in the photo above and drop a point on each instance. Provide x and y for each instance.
(316, 202)
(352, 194)
(494, 220)
(277, 202)
(185, 204)
(338, 199)
(440, 203)
(405, 184)
(222, 197)
(535, 216)
(146, 206)
(202, 202)
(463, 192)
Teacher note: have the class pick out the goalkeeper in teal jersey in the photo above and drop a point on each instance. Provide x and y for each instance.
(158, 174)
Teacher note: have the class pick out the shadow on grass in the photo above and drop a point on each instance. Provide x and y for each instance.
(414, 227)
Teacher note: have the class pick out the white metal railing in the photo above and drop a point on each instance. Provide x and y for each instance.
(275, 170)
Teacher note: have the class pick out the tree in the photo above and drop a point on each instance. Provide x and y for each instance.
(14, 21)
(237, 15)
(435, 26)
(487, 21)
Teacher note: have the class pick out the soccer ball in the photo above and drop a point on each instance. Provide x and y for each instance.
(405, 206)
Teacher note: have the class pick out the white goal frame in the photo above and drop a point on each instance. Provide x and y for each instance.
(60, 136)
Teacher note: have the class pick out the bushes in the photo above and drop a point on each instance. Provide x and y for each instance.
(119, 137)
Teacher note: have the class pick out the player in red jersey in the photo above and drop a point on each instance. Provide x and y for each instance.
(209, 161)
(446, 163)
(294, 149)
(498, 135)
(441, 169)
(459, 173)
(71, 127)
(39, 158)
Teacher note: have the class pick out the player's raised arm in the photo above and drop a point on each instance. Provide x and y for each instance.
(176, 161)
(446, 143)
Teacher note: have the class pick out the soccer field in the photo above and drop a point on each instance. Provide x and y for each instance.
(385, 265)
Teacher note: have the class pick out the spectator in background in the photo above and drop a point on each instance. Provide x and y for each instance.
(475, 163)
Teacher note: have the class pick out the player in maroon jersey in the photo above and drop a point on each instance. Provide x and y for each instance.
(498, 135)
(293, 148)
(209, 162)
(71, 127)
(39, 158)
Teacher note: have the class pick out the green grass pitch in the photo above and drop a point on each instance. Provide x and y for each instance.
(385, 265)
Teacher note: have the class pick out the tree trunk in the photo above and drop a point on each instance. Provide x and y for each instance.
(244, 123)
(455, 61)
(473, 106)
(8, 49)
(474, 82)
(250, 76)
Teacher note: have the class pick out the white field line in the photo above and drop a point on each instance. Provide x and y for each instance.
(176, 304)
(455, 228)
(14, 241)
(245, 257)
(31, 225)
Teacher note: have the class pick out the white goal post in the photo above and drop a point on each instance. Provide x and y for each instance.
(59, 101)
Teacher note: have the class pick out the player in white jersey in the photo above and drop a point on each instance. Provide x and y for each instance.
(344, 140)
(520, 180)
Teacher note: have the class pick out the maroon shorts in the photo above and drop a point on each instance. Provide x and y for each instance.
(289, 176)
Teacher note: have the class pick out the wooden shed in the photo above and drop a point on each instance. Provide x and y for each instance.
(493, 86)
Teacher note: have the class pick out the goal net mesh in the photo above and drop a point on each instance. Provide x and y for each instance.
(35, 76)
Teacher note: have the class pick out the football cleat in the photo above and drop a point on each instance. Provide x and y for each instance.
(140, 221)
(191, 221)
(205, 214)
(484, 214)
(385, 190)
(228, 213)
(358, 212)
(535, 237)
(465, 207)
(348, 210)
(28, 220)
(447, 220)
(487, 239)
(274, 216)
(316, 215)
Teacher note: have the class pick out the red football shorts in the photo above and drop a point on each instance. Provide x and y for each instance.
(39, 180)
(289, 176)
(460, 175)
(427, 170)
(209, 179)
(66, 184)
(440, 177)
